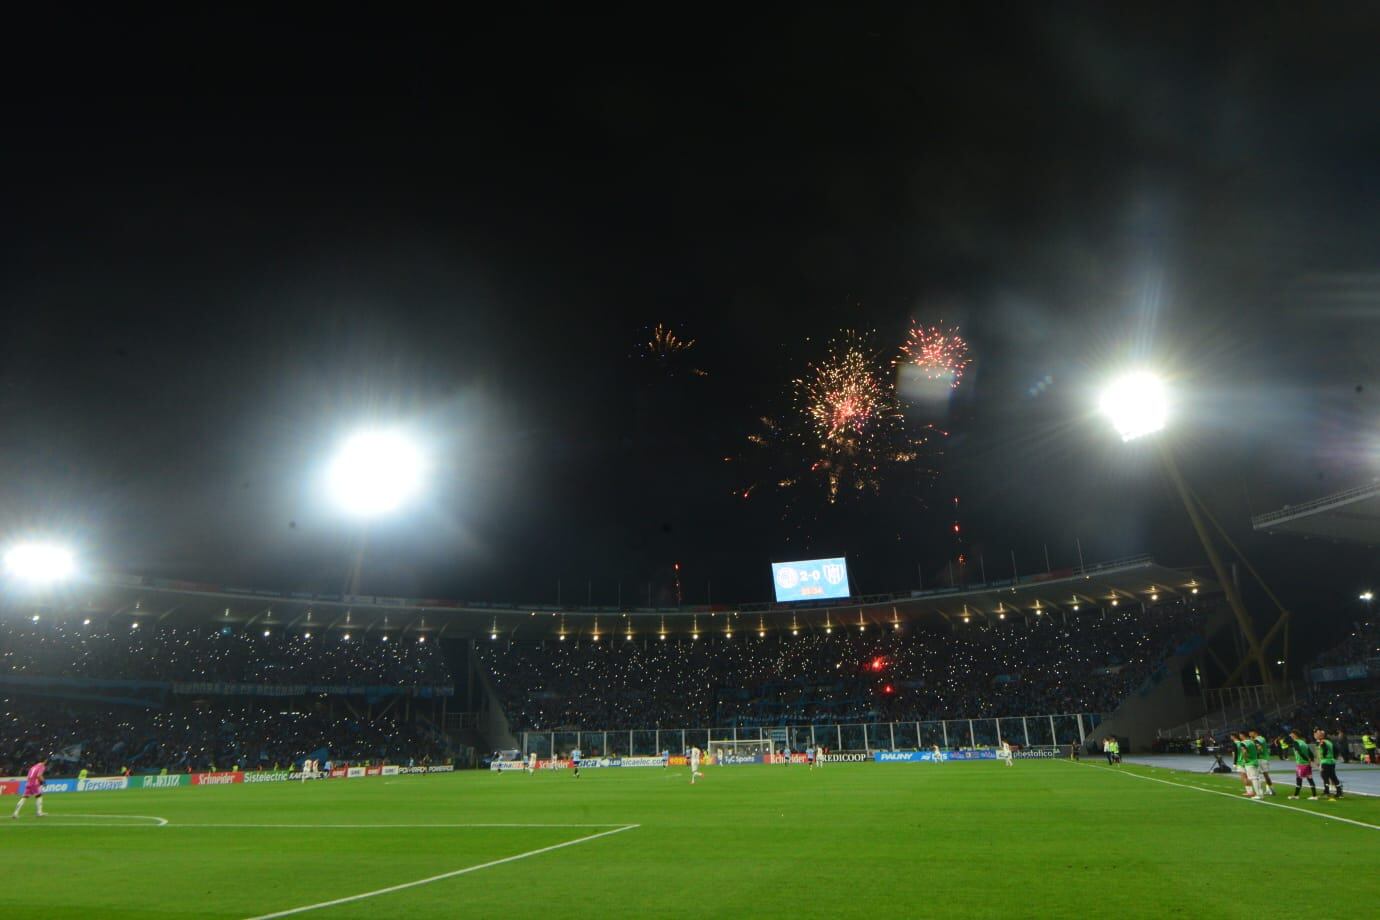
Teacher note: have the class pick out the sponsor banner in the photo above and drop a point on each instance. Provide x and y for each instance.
(735, 759)
(373, 771)
(216, 779)
(1339, 673)
(170, 781)
(390, 771)
(59, 785)
(928, 756)
(506, 766)
(781, 758)
(441, 768)
(677, 760)
(267, 776)
(408, 770)
(352, 772)
(10, 786)
(100, 784)
(1035, 753)
(644, 761)
(845, 758)
(338, 773)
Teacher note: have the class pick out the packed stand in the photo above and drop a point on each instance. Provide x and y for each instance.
(199, 737)
(1037, 665)
(194, 654)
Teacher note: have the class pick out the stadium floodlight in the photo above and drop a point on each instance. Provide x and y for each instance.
(40, 563)
(375, 473)
(1367, 596)
(1137, 404)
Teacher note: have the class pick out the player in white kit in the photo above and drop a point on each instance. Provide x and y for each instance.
(532, 762)
(694, 764)
(938, 754)
(1005, 753)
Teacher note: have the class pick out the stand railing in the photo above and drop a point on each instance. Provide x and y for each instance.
(950, 734)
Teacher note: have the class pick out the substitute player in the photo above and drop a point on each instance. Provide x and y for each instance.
(1250, 760)
(1303, 764)
(1327, 759)
(694, 764)
(1238, 764)
(33, 788)
(1262, 749)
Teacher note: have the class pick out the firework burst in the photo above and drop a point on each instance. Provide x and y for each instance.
(668, 351)
(939, 353)
(846, 430)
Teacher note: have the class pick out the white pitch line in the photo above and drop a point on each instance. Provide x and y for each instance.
(445, 875)
(400, 826)
(157, 821)
(1238, 797)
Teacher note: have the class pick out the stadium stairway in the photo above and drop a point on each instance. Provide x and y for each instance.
(1165, 697)
(476, 693)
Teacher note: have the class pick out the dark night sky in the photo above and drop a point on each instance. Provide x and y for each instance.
(229, 238)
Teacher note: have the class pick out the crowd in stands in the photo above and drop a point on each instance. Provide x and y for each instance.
(200, 737)
(1362, 643)
(153, 730)
(1023, 666)
(211, 653)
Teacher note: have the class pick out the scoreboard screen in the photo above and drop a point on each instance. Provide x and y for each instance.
(810, 579)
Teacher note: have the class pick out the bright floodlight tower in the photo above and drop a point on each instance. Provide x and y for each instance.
(1138, 405)
(375, 473)
(39, 563)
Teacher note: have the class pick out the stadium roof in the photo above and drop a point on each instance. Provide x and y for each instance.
(1138, 580)
(1352, 516)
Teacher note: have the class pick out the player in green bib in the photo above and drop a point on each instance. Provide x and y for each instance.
(1262, 749)
(1303, 764)
(1327, 759)
(1250, 760)
(1238, 764)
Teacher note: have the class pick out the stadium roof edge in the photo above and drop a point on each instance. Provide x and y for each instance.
(1136, 579)
(1349, 516)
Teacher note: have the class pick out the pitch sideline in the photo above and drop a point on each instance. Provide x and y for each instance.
(1234, 795)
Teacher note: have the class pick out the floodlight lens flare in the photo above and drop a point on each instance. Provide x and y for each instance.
(1136, 404)
(375, 472)
(40, 562)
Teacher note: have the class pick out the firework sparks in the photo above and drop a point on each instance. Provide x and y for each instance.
(668, 351)
(938, 352)
(855, 423)
(664, 342)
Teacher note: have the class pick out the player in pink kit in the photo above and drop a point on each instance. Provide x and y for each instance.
(33, 787)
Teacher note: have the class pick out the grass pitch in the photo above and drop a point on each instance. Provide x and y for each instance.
(1046, 838)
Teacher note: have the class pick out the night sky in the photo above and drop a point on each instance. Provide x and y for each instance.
(230, 238)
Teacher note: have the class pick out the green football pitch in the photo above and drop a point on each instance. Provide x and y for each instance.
(1043, 838)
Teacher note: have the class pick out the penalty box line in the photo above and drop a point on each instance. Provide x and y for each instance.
(446, 875)
(1237, 796)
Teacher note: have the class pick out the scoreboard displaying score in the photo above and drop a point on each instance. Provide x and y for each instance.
(810, 579)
